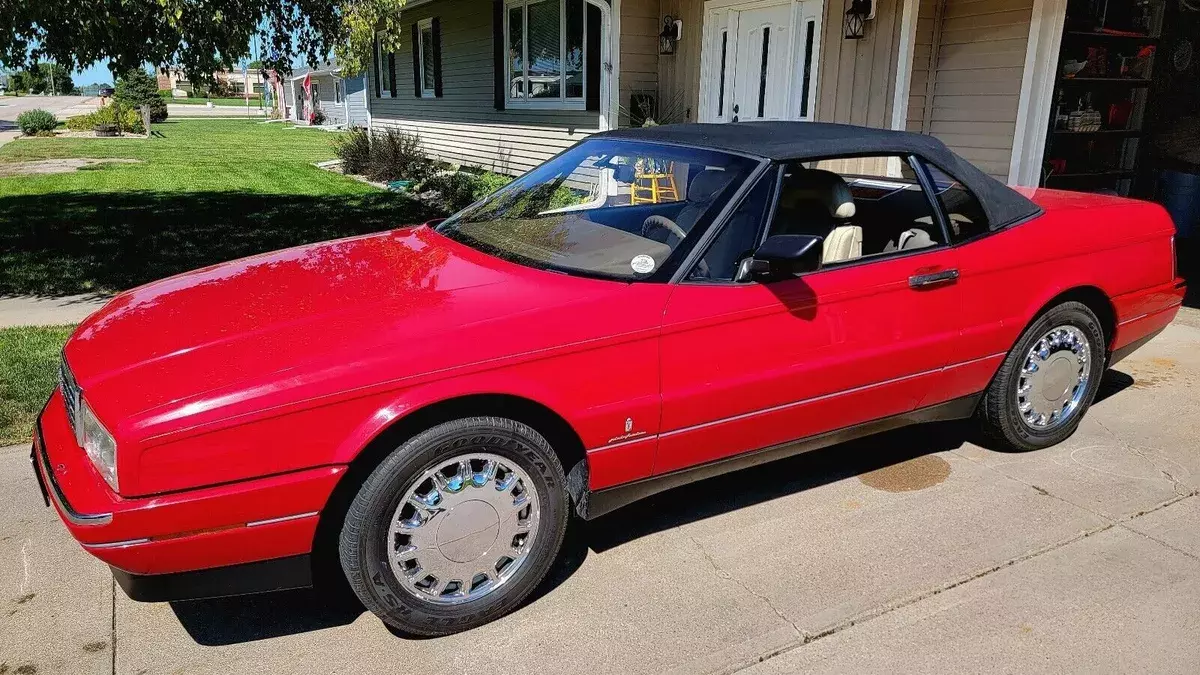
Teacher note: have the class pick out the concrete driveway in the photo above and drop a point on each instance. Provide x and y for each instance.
(910, 552)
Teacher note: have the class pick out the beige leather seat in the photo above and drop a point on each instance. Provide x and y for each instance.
(843, 243)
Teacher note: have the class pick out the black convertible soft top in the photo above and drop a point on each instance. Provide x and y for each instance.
(800, 141)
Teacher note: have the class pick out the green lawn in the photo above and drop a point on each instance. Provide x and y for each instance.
(28, 372)
(215, 101)
(205, 191)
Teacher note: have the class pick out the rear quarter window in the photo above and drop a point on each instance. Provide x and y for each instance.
(966, 216)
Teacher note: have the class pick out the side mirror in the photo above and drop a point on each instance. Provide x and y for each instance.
(783, 256)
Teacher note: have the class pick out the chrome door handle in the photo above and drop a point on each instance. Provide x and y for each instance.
(932, 279)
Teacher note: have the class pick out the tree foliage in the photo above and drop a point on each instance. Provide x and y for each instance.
(43, 78)
(201, 36)
(136, 88)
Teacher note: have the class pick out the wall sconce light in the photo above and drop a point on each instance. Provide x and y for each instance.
(856, 18)
(671, 33)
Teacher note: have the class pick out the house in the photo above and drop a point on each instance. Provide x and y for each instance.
(342, 100)
(506, 84)
(173, 78)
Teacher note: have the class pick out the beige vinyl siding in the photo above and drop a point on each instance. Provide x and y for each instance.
(679, 73)
(858, 77)
(463, 126)
(977, 73)
(639, 51)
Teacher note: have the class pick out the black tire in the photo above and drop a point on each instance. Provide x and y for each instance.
(365, 531)
(998, 416)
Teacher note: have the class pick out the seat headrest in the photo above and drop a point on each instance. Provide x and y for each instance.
(824, 187)
(707, 184)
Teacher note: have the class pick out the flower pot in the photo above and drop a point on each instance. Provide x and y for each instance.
(105, 129)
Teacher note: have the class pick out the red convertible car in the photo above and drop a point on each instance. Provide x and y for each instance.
(427, 406)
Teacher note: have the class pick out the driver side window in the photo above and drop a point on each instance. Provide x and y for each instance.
(862, 207)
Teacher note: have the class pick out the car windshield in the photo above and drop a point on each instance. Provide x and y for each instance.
(611, 209)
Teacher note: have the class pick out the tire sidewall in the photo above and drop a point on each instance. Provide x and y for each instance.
(387, 485)
(1068, 314)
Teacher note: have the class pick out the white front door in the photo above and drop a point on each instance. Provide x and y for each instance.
(759, 60)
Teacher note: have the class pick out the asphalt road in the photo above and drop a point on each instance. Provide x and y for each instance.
(910, 552)
(62, 106)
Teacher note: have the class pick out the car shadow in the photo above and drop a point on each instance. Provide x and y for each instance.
(226, 621)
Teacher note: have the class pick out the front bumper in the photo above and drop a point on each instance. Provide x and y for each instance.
(233, 524)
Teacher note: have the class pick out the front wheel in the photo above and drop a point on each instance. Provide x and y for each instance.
(1048, 380)
(456, 526)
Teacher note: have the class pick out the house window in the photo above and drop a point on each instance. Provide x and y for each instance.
(385, 70)
(425, 51)
(546, 44)
(338, 96)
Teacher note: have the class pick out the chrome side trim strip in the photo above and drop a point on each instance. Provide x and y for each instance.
(793, 404)
(282, 519)
(116, 544)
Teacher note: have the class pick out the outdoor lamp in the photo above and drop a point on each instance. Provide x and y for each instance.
(669, 37)
(856, 18)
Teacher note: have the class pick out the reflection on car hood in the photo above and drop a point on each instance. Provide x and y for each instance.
(309, 320)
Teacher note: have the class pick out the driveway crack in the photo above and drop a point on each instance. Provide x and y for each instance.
(721, 573)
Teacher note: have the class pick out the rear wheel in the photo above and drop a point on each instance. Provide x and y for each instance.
(1048, 380)
(456, 526)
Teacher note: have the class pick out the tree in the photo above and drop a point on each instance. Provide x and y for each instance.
(201, 36)
(136, 88)
(56, 79)
(44, 78)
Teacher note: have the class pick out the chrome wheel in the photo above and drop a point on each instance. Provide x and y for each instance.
(1054, 378)
(463, 529)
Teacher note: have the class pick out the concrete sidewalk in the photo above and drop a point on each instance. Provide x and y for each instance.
(26, 310)
(913, 551)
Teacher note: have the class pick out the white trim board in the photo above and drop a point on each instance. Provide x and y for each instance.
(1037, 90)
(904, 63)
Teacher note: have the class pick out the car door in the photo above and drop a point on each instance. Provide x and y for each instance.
(751, 365)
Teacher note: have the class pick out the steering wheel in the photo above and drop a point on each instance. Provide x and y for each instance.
(653, 223)
(662, 223)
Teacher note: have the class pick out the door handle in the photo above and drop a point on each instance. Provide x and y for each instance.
(932, 279)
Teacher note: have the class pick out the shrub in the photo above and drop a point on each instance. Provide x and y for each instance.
(450, 192)
(396, 155)
(137, 88)
(127, 119)
(354, 149)
(318, 117)
(453, 192)
(32, 121)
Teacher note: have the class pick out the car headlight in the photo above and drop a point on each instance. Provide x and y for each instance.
(98, 444)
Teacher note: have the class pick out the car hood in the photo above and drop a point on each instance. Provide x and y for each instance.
(306, 322)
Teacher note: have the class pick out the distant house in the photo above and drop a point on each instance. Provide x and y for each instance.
(173, 78)
(342, 100)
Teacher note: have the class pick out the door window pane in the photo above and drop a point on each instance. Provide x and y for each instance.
(575, 48)
(721, 86)
(858, 206)
(808, 54)
(545, 45)
(762, 76)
